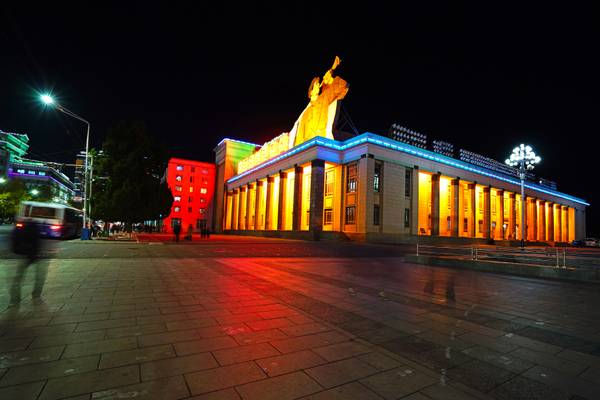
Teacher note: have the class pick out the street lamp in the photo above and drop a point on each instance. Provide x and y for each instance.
(35, 192)
(2, 180)
(49, 101)
(525, 159)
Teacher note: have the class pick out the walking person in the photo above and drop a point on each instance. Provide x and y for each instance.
(26, 242)
(190, 232)
(177, 232)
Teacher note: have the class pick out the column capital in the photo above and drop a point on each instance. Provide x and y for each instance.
(282, 175)
(435, 177)
(259, 182)
(270, 179)
(456, 181)
(542, 202)
(511, 195)
(298, 169)
(472, 185)
(500, 192)
(486, 189)
(235, 191)
(317, 163)
(243, 188)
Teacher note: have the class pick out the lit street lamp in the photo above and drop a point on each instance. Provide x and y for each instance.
(49, 101)
(525, 159)
(2, 180)
(34, 192)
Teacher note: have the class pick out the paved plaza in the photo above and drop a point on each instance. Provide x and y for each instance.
(249, 318)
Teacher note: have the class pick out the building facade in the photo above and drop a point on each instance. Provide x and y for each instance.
(192, 184)
(376, 188)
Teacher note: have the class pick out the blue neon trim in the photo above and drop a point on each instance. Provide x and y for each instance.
(406, 148)
(239, 141)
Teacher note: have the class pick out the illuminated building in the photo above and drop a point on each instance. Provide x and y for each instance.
(192, 184)
(371, 187)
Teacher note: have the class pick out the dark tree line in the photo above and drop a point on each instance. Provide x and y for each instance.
(128, 180)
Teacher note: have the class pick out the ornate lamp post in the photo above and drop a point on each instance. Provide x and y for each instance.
(525, 159)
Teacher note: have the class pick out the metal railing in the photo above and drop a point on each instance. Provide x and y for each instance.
(557, 257)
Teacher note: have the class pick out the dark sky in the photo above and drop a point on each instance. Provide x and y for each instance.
(485, 78)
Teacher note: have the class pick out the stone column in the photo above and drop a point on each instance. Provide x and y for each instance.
(456, 206)
(242, 200)
(473, 224)
(317, 190)
(435, 205)
(542, 220)
(231, 196)
(248, 204)
(512, 217)
(559, 227)
(282, 206)
(257, 198)
(550, 222)
(268, 203)
(414, 201)
(487, 212)
(567, 227)
(297, 209)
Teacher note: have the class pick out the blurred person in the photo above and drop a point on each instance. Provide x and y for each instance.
(177, 232)
(190, 232)
(26, 242)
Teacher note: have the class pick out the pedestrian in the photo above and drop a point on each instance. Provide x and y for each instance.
(176, 231)
(26, 242)
(207, 234)
(190, 231)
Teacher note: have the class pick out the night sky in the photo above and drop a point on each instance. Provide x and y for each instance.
(485, 79)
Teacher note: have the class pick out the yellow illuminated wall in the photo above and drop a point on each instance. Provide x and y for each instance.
(446, 206)
(529, 216)
(262, 205)
(305, 198)
(274, 211)
(465, 210)
(228, 208)
(243, 203)
(496, 204)
(252, 206)
(556, 222)
(518, 217)
(331, 197)
(479, 209)
(424, 204)
(564, 223)
(507, 212)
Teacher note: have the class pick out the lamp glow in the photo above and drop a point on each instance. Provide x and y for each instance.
(47, 99)
(35, 192)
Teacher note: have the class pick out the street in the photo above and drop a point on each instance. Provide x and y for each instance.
(255, 318)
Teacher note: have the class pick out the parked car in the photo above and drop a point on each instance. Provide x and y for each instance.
(578, 243)
(591, 242)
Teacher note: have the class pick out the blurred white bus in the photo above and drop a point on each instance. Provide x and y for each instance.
(54, 220)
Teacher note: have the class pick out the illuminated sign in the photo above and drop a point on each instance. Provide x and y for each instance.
(316, 119)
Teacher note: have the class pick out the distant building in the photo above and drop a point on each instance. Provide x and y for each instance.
(192, 184)
(13, 146)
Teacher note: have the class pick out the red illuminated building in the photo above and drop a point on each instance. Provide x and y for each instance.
(192, 184)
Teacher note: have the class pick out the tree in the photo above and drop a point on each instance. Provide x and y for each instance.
(128, 185)
(12, 194)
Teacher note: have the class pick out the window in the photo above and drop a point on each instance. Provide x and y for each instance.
(204, 171)
(178, 188)
(193, 169)
(176, 209)
(203, 191)
(203, 211)
(205, 181)
(494, 203)
(480, 203)
(329, 182)
(407, 217)
(190, 199)
(377, 178)
(327, 216)
(480, 226)
(350, 215)
(191, 179)
(376, 214)
(466, 225)
(191, 189)
(30, 172)
(178, 178)
(351, 180)
(41, 173)
(407, 182)
(177, 198)
(21, 171)
(466, 198)
(189, 209)
(179, 168)
(202, 200)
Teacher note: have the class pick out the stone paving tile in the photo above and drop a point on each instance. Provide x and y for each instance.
(350, 391)
(161, 319)
(397, 382)
(135, 356)
(167, 337)
(190, 324)
(445, 392)
(245, 338)
(71, 338)
(177, 366)
(24, 357)
(90, 382)
(480, 375)
(136, 330)
(381, 335)
(54, 369)
(532, 344)
(305, 329)
(28, 391)
(214, 331)
(29, 332)
(559, 364)
(269, 324)
(592, 374)
(337, 373)
(507, 361)
(522, 388)
(284, 387)
(100, 346)
(290, 362)
(581, 358)
(8, 345)
(379, 361)
(232, 319)
(65, 319)
(245, 353)
(308, 341)
(564, 382)
(204, 345)
(134, 313)
(445, 340)
(172, 388)
(223, 377)
(105, 324)
(489, 342)
(225, 394)
(342, 350)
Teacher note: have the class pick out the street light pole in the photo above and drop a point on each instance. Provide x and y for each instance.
(48, 100)
(524, 158)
